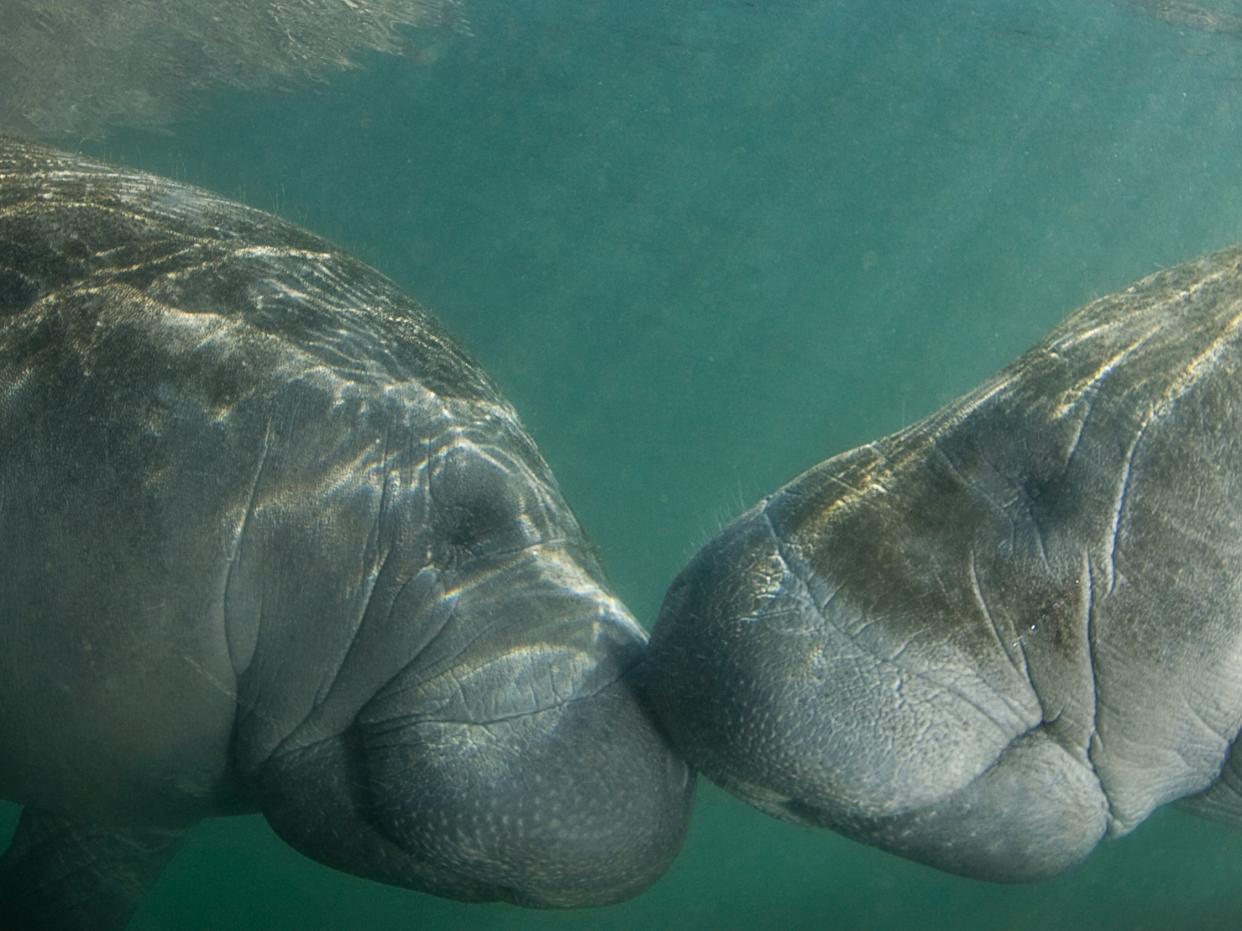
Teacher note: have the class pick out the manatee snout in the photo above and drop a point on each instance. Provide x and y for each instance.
(576, 805)
(520, 766)
(808, 694)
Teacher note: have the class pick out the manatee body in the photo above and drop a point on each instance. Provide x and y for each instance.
(1010, 630)
(270, 542)
(72, 68)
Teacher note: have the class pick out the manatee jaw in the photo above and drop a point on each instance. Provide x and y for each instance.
(778, 686)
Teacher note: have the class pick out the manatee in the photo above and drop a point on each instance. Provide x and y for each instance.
(1205, 17)
(73, 68)
(270, 542)
(1006, 632)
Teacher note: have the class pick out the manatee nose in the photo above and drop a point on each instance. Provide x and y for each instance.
(794, 691)
(575, 805)
(721, 667)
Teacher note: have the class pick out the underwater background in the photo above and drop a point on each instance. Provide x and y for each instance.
(702, 245)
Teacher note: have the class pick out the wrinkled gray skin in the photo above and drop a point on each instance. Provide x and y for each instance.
(1012, 629)
(269, 541)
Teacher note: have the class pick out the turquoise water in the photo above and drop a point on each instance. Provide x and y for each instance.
(702, 245)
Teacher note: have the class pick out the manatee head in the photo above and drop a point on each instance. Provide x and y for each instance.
(845, 655)
(435, 680)
(479, 736)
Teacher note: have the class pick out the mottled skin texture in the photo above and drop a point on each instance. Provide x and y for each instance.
(270, 541)
(1007, 631)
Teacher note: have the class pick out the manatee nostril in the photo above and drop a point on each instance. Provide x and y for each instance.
(17, 292)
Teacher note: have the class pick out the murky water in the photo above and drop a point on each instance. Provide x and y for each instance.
(702, 245)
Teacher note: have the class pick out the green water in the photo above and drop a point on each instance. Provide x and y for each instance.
(702, 245)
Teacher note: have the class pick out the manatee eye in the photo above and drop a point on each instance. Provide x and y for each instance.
(479, 509)
(477, 519)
